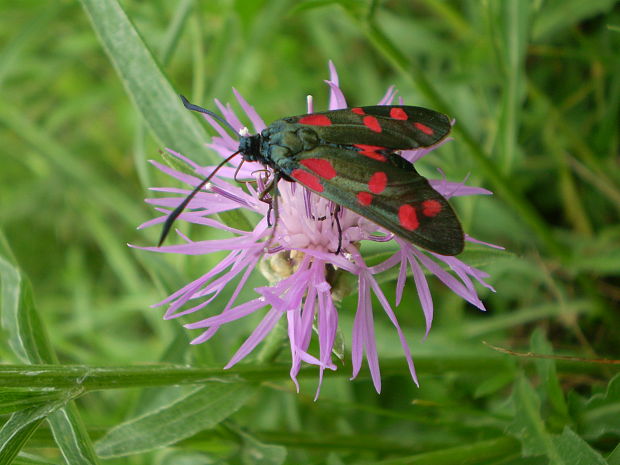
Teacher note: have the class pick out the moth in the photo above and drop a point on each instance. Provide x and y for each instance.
(351, 157)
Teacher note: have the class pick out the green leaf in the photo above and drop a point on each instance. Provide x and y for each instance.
(601, 413)
(71, 436)
(599, 254)
(352, 5)
(70, 166)
(511, 24)
(203, 408)
(12, 400)
(561, 14)
(28, 338)
(20, 319)
(20, 426)
(236, 219)
(147, 86)
(255, 452)
(16, 432)
(494, 450)
(614, 457)
(493, 383)
(573, 450)
(548, 375)
(12, 49)
(528, 425)
(30, 459)
(187, 457)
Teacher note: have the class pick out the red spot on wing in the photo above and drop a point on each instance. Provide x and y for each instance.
(307, 179)
(320, 166)
(364, 198)
(431, 208)
(371, 151)
(408, 217)
(377, 182)
(358, 111)
(424, 128)
(398, 113)
(371, 123)
(315, 120)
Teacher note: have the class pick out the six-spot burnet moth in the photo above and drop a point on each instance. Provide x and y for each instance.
(350, 157)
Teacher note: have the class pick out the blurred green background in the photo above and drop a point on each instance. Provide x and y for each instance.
(534, 86)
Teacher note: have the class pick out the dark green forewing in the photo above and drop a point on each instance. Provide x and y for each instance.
(398, 127)
(386, 189)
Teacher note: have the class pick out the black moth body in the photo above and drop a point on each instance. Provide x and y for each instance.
(350, 157)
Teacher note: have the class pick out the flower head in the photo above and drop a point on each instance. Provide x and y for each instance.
(298, 255)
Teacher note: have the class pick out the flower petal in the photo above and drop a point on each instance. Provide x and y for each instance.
(263, 328)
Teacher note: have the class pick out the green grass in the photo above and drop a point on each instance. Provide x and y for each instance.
(88, 94)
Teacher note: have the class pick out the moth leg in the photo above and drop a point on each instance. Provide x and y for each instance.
(273, 206)
(253, 181)
(337, 218)
(266, 191)
(237, 172)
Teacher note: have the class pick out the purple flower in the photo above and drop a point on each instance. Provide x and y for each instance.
(299, 261)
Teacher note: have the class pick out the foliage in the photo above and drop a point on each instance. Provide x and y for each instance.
(89, 94)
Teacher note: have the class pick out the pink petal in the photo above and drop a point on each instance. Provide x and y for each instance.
(403, 341)
(336, 97)
(468, 238)
(424, 293)
(231, 315)
(256, 120)
(263, 328)
(388, 97)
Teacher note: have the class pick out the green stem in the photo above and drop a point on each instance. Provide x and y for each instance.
(120, 377)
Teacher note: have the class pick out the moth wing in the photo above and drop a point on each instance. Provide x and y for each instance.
(390, 193)
(398, 127)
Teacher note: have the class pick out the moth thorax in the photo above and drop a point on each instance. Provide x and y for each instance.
(250, 147)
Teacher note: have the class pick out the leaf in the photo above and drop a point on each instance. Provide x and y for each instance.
(71, 436)
(528, 426)
(20, 426)
(12, 400)
(173, 126)
(352, 5)
(31, 459)
(614, 457)
(15, 433)
(147, 86)
(600, 414)
(600, 255)
(548, 375)
(28, 338)
(20, 319)
(512, 26)
(11, 49)
(573, 450)
(560, 14)
(187, 457)
(255, 452)
(493, 383)
(203, 408)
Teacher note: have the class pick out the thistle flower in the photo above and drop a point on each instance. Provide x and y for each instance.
(298, 256)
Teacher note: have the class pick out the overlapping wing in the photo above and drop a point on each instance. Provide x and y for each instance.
(386, 189)
(397, 127)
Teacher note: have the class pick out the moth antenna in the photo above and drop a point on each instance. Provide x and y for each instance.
(192, 107)
(177, 211)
